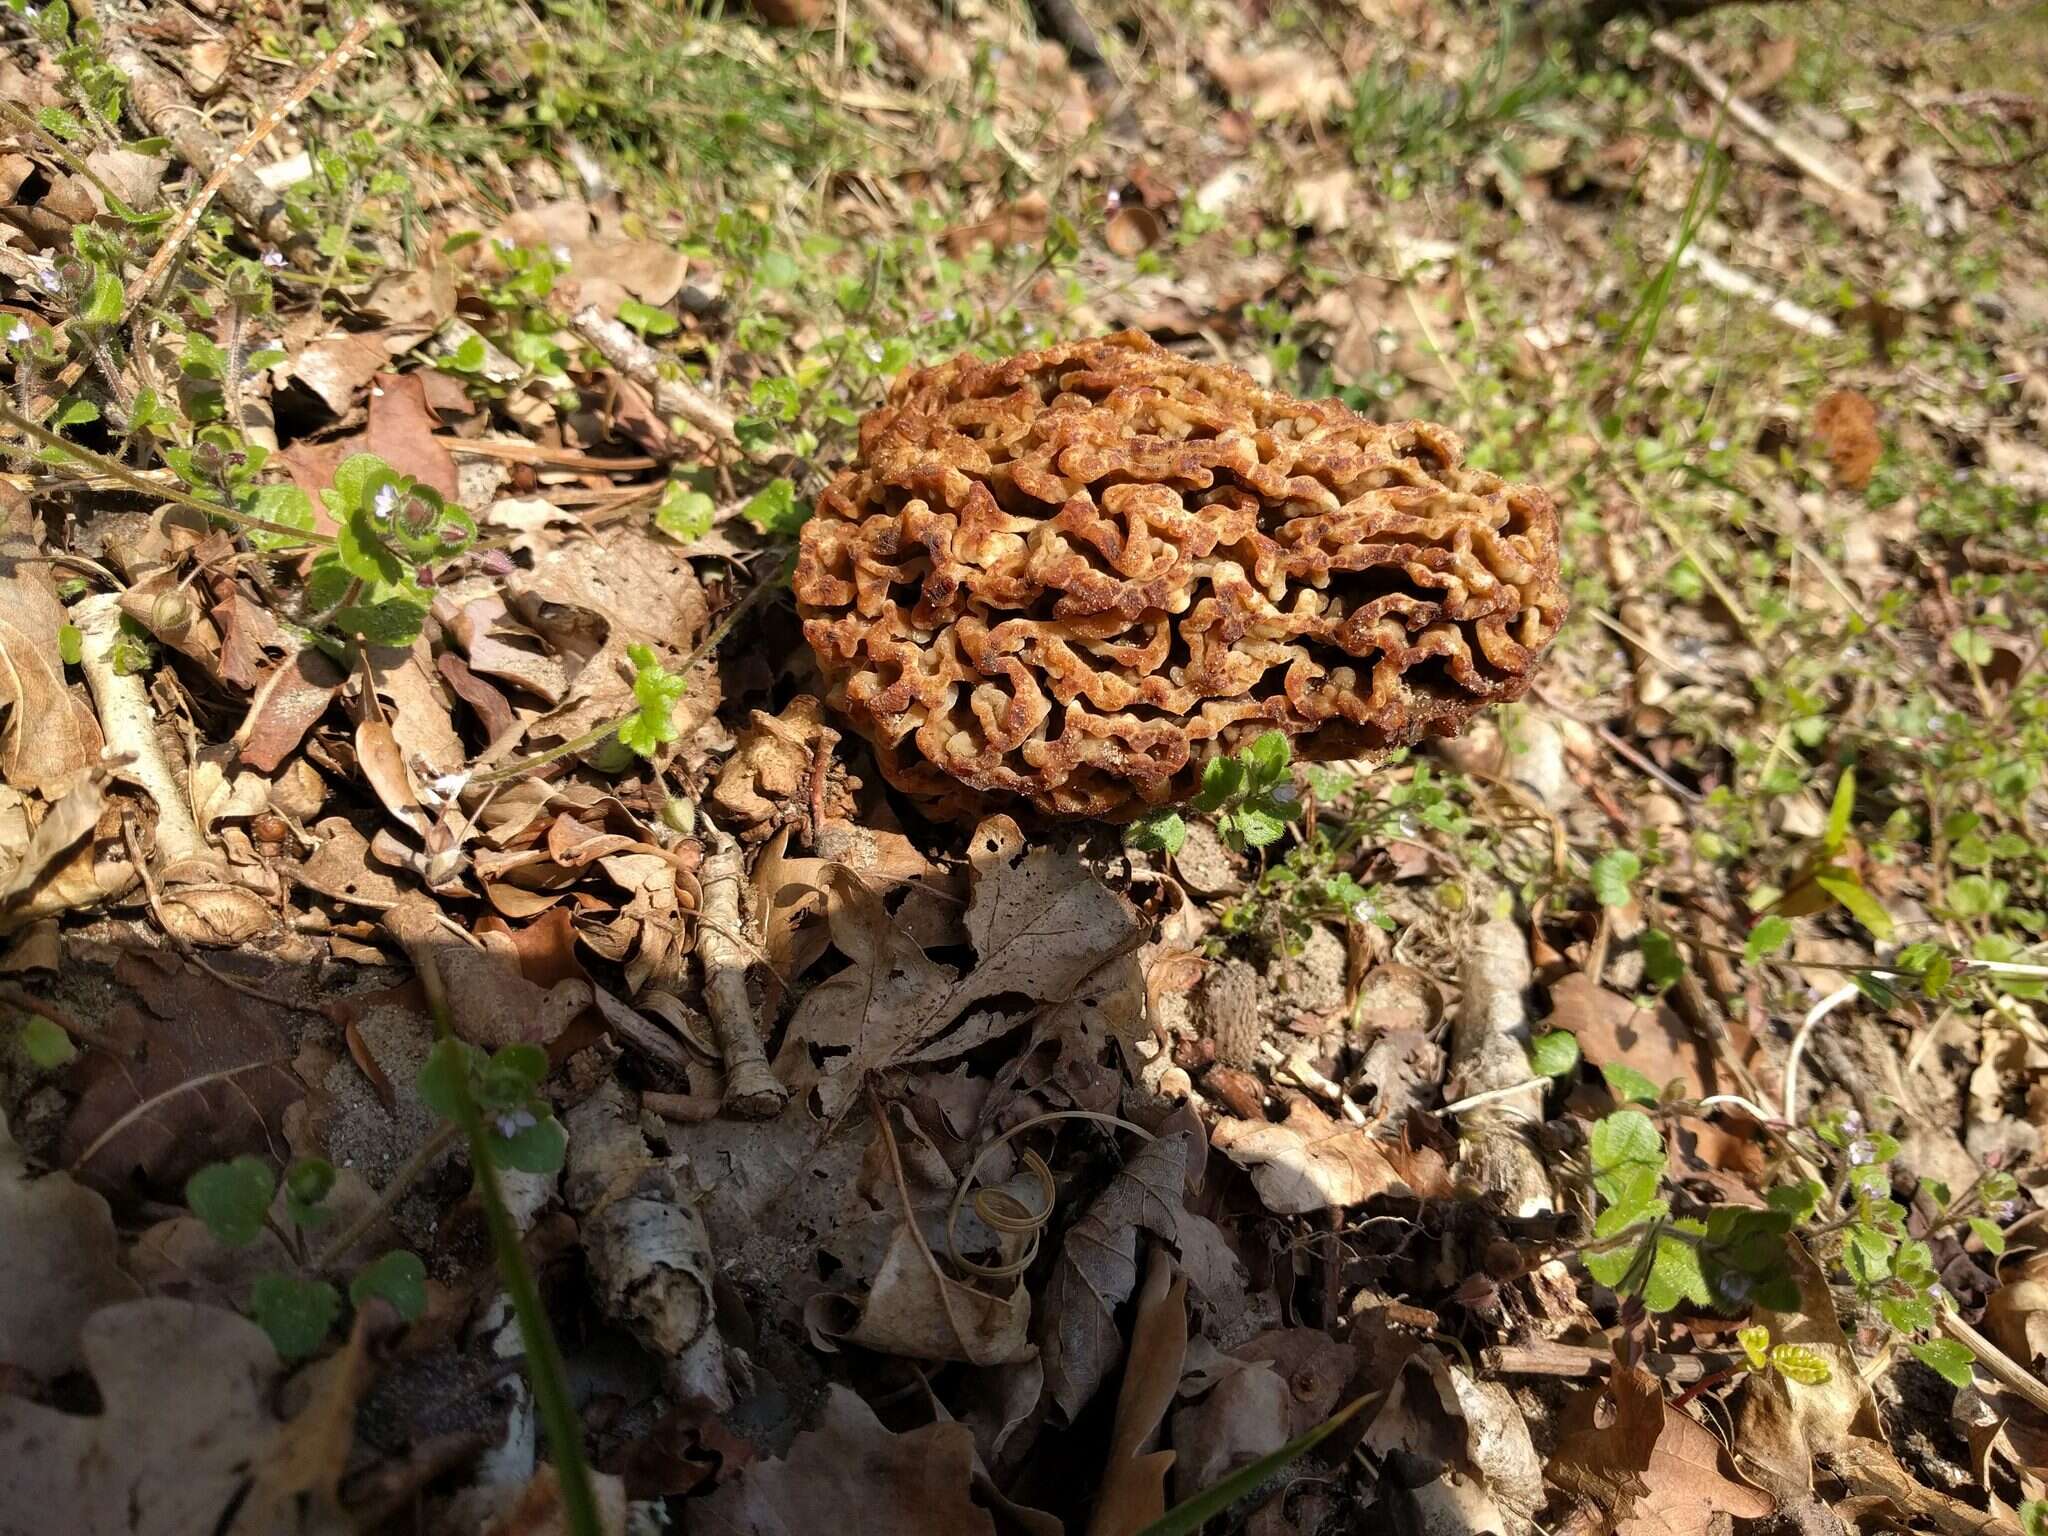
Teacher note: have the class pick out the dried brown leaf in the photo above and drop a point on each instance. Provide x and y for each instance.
(1311, 1163)
(47, 738)
(209, 1078)
(289, 699)
(59, 1263)
(401, 432)
(1846, 424)
(1133, 1491)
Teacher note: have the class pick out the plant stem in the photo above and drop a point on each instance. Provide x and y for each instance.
(549, 1375)
(115, 470)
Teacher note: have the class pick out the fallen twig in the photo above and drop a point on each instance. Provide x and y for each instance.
(1793, 148)
(642, 364)
(752, 1090)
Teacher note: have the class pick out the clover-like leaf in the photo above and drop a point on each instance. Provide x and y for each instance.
(231, 1198)
(294, 1311)
(1554, 1054)
(1614, 872)
(398, 1277)
(655, 690)
(1756, 1345)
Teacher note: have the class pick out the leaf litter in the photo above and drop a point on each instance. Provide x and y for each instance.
(420, 813)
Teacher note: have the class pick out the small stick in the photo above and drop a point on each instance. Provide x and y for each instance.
(752, 1091)
(642, 364)
(197, 146)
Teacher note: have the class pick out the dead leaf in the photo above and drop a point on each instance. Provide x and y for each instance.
(401, 432)
(383, 764)
(1278, 82)
(1040, 922)
(850, 1468)
(492, 1003)
(186, 1393)
(209, 1078)
(1023, 222)
(296, 1483)
(537, 1509)
(1133, 1489)
(59, 1264)
(2016, 1314)
(1098, 1266)
(1311, 1163)
(1439, 1415)
(289, 699)
(47, 737)
(770, 771)
(1655, 1471)
(1846, 424)
(338, 367)
(910, 1312)
(1323, 203)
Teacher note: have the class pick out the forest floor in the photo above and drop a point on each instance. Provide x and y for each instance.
(482, 1049)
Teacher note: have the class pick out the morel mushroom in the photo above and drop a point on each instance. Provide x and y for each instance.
(1074, 576)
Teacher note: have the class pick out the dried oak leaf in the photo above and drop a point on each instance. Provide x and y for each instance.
(1651, 1470)
(186, 1441)
(1042, 925)
(209, 1078)
(1075, 576)
(1098, 1267)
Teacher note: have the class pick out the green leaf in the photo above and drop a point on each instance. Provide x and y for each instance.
(1947, 1359)
(1675, 1276)
(1663, 965)
(1988, 1234)
(357, 479)
(46, 1043)
(1971, 646)
(1622, 1140)
(1867, 1255)
(1975, 896)
(1258, 826)
(1222, 782)
(388, 615)
(363, 552)
(1628, 1085)
(655, 690)
(1554, 1054)
(1770, 935)
(537, 1148)
(1756, 1345)
(684, 515)
(1157, 832)
(1839, 812)
(1189, 1516)
(398, 1277)
(231, 1199)
(645, 318)
(105, 301)
(775, 510)
(1631, 1192)
(309, 1180)
(72, 412)
(444, 1078)
(1795, 1362)
(508, 1079)
(285, 504)
(1860, 904)
(1266, 760)
(1907, 1314)
(296, 1313)
(1799, 1201)
(70, 644)
(1613, 873)
(2034, 1517)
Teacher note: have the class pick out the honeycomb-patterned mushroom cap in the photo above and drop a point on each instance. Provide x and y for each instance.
(1074, 576)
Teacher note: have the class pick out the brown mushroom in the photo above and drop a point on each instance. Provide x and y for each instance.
(1074, 576)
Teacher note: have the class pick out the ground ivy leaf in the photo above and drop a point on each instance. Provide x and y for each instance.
(231, 1198)
(295, 1312)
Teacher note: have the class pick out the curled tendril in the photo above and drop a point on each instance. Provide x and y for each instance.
(1003, 1212)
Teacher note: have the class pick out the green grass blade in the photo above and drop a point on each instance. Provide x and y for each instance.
(1186, 1518)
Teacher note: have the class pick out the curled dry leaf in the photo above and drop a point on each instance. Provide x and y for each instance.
(2016, 1315)
(911, 1311)
(47, 738)
(59, 1264)
(493, 1004)
(1311, 1163)
(1133, 1490)
(1785, 1423)
(769, 775)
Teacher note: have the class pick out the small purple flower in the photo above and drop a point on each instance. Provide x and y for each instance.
(50, 280)
(1862, 1153)
(512, 1122)
(273, 258)
(1852, 1123)
(1284, 794)
(21, 334)
(2006, 1210)
(1733, 1285)
(384, 505)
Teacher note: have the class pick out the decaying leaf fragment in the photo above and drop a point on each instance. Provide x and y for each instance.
(58, 1264)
